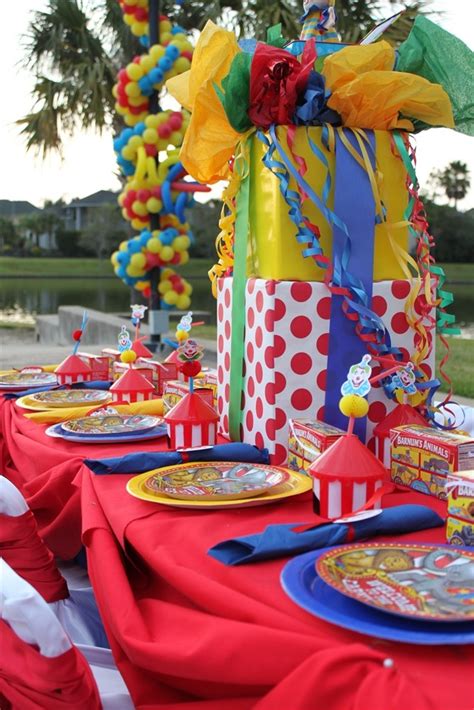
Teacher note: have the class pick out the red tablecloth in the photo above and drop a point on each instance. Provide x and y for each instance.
(186, 629)
(44, 469)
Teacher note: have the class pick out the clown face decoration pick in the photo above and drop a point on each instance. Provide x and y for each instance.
(138, 313)
(358, 378)
(405, 379)
(124, 342)
(190, 351)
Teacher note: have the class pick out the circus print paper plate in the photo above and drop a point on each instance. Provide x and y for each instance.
(146, 487)
(24, 380)
(216, 481)
(426, 582)
(70, 398)
(108, 424)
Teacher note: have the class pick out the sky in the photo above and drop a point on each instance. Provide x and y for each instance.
(88, 162)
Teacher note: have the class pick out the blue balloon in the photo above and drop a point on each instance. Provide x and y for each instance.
(121, 272)
(166, 237)
(165, 64)
(122, 257)
(172, 52)
(144, 41)
(155, 76)
(127, 134)
(139, 128)
(145, 85)
(134, 246)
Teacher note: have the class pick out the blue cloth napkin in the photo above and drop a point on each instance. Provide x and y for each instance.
(146, 460)
(97, 385)
(281, 541)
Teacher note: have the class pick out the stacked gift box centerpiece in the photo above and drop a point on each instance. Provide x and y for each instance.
(321, 215)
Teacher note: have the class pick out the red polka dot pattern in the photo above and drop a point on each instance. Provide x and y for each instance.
(379, 305)
(286, 349)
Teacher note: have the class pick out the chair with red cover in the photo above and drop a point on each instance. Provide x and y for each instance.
(39, 667)
(25, 552)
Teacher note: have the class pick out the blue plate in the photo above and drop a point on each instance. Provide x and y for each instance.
(57, 432)
(301, 582)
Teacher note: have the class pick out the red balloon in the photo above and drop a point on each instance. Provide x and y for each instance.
(175, 121)
(156, 191)
(150, 150)
(77, 334)
(147, 292)
(190, 368)
(143, 195)
(176, 259)
(164, 130)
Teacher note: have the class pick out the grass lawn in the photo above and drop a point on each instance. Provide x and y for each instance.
(460, 366)
(13, 266)
(18, 266)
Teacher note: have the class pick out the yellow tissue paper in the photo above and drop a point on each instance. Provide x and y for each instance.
(274, 253)
(344, 66)
(210, 140)
(152, 407)
(367, 93)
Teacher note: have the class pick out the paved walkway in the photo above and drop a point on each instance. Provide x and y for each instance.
(18, 348)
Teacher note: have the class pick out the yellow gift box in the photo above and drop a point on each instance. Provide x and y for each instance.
(273, 251)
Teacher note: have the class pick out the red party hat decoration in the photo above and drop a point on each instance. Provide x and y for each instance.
(73, 369)
(192, 422)
(345, 477)
(132, 386)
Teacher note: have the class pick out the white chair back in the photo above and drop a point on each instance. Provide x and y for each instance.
(11, 500)
(29, 616)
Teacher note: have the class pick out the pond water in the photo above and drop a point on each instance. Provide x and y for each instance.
(21, 299)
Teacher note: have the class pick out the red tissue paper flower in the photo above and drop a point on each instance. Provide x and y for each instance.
(276, 80)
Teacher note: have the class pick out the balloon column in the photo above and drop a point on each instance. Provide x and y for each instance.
(151, 190)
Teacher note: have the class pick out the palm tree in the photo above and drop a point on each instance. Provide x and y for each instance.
(456, 181)
(76, 47)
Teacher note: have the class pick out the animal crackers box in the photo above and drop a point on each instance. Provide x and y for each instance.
(460, 521)
(308, 439)
(422, 457)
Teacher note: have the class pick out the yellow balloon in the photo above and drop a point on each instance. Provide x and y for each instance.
(165, 26)
(170, 297)
(154, 245)
(184, 257)
(149, 136)
(138, 261)
(132, 89)
(139, 208)
(152, 121)
(141, 285)
(181, 243)
(167, 272)
(188, 289)
(183, 302)
(134, 71)
(182, 64)
(166, 253)
(153, 205)
(135, 142)
(128, 153)
(164, 286)
(147, 63)
(123, 246)
(138, 224)
(156, 52)
(353, 405)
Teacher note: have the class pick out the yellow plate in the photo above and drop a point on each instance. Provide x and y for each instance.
(28, 403)
(296, 484)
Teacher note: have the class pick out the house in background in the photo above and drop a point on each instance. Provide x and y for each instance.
(77, 213)
(30, 223)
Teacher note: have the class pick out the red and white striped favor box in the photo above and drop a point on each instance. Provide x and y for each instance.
(286, 356)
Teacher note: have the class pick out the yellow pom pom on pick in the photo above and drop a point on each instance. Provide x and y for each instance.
(181, 336)
(352, 405)
(128, 356)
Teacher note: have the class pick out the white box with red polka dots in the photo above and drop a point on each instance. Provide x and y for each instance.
(286, 356)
